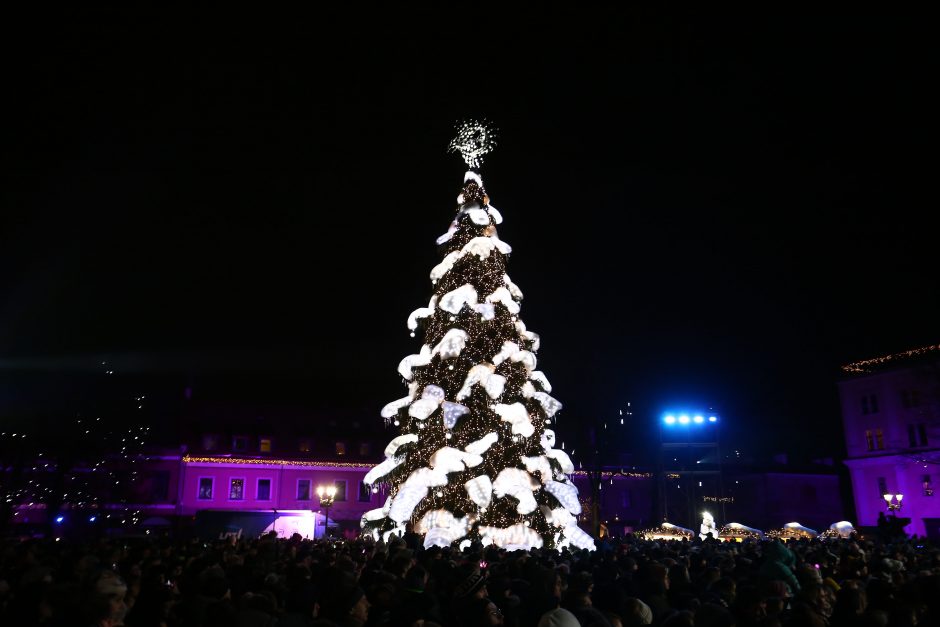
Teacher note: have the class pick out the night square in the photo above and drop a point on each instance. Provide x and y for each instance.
(457, 318)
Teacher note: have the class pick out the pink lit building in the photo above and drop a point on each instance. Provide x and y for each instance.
(891, 416)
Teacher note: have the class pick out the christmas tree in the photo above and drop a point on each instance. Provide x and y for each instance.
(476, 457)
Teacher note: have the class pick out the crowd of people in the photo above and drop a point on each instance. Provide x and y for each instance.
(267, 581)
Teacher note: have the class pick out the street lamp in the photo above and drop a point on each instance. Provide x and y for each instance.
(326, 494)
(889, 501)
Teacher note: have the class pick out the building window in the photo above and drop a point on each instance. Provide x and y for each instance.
(236, 490)
(882, 486)
(303, 489)
(879, 439)
(304, 445)
(365, 492)
(340, 448)
(928, 488)
(869, 440)
(205, 489)
(910, 398)
(364, 449)
(160, 486)
(264, 445)
(922, 431)
(264, 489)
(869, 404)
(340, 490)
(911, 436)
(210, 442)
(239, 444)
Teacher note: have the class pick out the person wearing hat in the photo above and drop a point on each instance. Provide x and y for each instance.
(472, 584)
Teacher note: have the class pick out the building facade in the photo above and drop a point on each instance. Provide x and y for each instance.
(891, 417)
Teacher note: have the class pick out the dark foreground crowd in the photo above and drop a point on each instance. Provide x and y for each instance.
(268, 582)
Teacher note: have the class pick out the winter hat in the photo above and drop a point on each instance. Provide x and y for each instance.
(640, 609)
(558, 617)
(472, 582)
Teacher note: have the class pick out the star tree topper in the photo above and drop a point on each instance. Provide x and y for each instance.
(474, 140)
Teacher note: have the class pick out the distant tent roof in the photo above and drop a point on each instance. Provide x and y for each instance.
(795, 526)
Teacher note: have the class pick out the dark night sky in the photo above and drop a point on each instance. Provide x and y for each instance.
(704, 208)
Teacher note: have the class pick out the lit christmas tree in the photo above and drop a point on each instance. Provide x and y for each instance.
(476, 457)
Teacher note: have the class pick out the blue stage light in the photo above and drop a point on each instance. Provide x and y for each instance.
(712, 419)
(699, 419)
(92, 518)
(670, 420)
(683, 419)
(59, 519)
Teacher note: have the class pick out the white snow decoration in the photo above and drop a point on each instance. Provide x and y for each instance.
(494, 385)
(434, 392)
(518, 484)
(502, 246)
(464, 545)
(426, 477)
(477, 374)
(382, 469)
(526, 358)
(454, 300)
(479, 216)
(532, 337)
(453, 412)
(497, 216)
(470, 175)
(548, 439)
(413, 361)
(518, 416)
(441, 518)
(405, 502)
(449, 234)
(487, 311)
(514, 290)
(441, 536)
(445, 266)
(480, 491)
(508, 350)
(558, 516)
(528, 390)
(480, 246)
(452, 343)
(448, 460)
(371, 515)
(423, 407)
(482, 445)
(549, 404)
(515, 538)
(392, 408)
(539, 377)
(566, 494)
(421, 312)
(502, 295)
(398, 442)
(562, 458)
(576, 536)
(538, 464)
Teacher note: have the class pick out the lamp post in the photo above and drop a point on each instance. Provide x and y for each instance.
(326, 495)
(891, 503)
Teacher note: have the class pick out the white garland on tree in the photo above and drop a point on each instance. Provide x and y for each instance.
(518, 484)
(516, 415)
